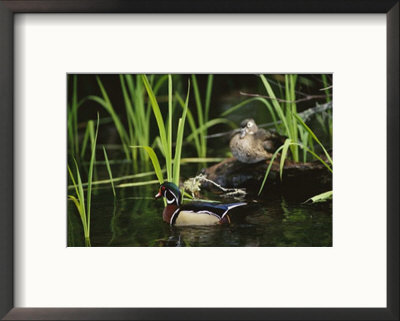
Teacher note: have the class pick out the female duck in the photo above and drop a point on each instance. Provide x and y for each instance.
(194, 213)
(253, 144)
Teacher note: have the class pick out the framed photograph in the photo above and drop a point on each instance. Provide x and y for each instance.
(173, 160)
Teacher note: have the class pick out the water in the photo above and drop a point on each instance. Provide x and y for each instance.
(135, 219)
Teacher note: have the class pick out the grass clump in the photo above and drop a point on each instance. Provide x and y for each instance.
(172, 164)
(82, 202)
(200, 128)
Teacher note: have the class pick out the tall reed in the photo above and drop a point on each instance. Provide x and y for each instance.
(199, 127)
(172, 164)
(137, 111)
(84, 207)
(72, 117)
(202, 113)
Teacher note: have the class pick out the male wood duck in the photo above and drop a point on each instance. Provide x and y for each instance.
(252, 144)
(194, 213)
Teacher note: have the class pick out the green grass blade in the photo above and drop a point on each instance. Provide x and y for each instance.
(169, 170)
(304, 137)
(237, 106)
(326, 85)
(292, 110)
(106, 104)
(192, 124)
(157, 143)
(154, 160)
(80, 203)
(127, 99)
(208, 96)
(86, 138)
(202, 160)
(90, 174)
(247, 101)
(81, 198)
(276, 104)
(179, 139)
(323, 197)
(75, 113)
(80, 210)
(285, 145)
(109, 171)
(197, 99)
(209, 124)
(159, 83)
(199, 106)
(269, 169)
(122, 178)
(160, 123)
(316, 156)
(314, 137)
(81, 195)
(285, 148)
(73, 180)
(109, 107)
(138, 184)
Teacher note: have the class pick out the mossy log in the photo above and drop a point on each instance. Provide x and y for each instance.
(304, 179)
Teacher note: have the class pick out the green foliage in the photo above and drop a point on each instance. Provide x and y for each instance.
(284, 115)
(72, 118)
(284, 149)
(172, 166)
(84, 208)
(135, 130)
(109, 171)
(179, 139)
(105, 102)
(202, 114)
(323, 197)
(154, 160)
(308, 129)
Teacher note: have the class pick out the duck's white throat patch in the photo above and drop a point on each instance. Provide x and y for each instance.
(171, 197)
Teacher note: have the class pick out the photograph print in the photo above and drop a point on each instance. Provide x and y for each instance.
(199, 160)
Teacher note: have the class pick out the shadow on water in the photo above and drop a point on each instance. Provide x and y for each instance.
(135, 219)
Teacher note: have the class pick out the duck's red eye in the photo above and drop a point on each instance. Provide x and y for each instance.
(162, 188)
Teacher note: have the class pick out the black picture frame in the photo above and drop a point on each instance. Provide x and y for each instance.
(7, 11)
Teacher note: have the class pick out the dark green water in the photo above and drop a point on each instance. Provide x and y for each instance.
(135, 219)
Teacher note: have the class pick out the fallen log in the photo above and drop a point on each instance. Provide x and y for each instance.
(301, 179)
